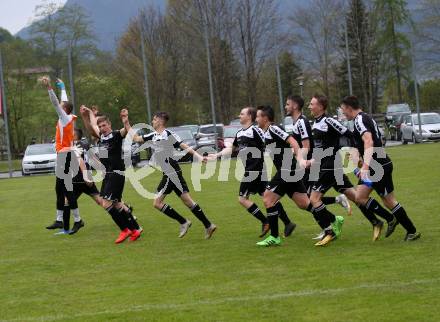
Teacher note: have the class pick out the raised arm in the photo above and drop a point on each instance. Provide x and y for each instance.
(54, 99)
(89, 120)
(60, 84)
(127, 127)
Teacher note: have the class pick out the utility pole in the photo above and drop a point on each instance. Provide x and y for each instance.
(144, 63)
(5, 108)
(280, 90)
(416, 88)
(347, 53)
(208, 54)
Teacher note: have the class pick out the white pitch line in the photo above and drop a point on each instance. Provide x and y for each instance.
(264, 297)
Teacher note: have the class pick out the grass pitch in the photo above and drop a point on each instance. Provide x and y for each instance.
(86, 277)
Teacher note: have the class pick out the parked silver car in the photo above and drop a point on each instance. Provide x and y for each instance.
(39, 158)
(430, 124)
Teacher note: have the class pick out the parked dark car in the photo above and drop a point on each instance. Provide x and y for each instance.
(188, 138)
(394, 118)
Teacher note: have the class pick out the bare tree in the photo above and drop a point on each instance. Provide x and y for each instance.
(316, 29)
(427, 35)
(46, 34)
(75, 30)
(256, 21)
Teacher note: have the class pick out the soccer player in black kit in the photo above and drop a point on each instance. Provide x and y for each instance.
(326, 133)
(80, 185)
(368, 141)
(280, 144)
(302, 132)
(163, 143)
(111, 156)
(249, 141)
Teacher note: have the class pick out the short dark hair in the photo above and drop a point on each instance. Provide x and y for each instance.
(79, 133)
(252, 111)
(297, 99)
(267, 111)
(103, 118)
(163, 116)
(351, 101)
(68, 106)
(322, 99)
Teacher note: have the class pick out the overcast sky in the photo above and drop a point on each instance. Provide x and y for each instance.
(16, 14)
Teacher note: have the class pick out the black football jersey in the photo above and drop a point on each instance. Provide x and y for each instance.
(252, 137)
(364, 123)
(326, 134)
(302, 130)
(163, 146)
(110, 151)
(81, 148)
(278, 148)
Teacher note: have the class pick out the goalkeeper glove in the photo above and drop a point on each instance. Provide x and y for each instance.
(60, 85)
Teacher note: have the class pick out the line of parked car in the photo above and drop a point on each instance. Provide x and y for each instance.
(402, 125)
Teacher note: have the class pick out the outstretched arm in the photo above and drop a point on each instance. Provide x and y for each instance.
(224, 152)
(189, 149)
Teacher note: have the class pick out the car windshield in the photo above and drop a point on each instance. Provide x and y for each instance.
(38, 149)
(231, 131)
(184, 134)
(398, 108)
(427, 119)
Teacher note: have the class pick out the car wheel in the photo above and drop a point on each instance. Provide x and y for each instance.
(24, 174)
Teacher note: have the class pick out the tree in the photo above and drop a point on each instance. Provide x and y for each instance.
(5, 35)
(55, 28)
(364, 55)
(46, 35)
(393, 14)
(429, 98)
(28, 105)
(427, 35)
(289, 73)
(316, 28)
(256, 23)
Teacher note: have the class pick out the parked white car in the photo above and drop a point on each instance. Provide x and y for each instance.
(430, 128)
(39, 158)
